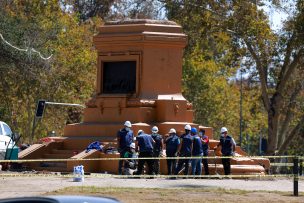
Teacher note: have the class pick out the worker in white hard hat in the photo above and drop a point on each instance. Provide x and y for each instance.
(157, 149)
(185, 150)
(124, 140)
(228, 149)
(172, 144)
(130, 164)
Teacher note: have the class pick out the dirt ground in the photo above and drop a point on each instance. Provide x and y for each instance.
(132, 195)
(153, 190)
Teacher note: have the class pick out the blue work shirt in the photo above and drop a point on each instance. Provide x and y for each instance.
(126, 138)
(227, 144)
(197, 146)
(158, 142)
(186, 145)
(145, 142)
(172, 143)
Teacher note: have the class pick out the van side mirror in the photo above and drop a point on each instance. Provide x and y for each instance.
(15, 136)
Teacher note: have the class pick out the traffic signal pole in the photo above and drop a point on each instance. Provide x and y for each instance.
(65, 104)
(40, 110)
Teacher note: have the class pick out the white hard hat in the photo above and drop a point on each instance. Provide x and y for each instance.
(187, 127)
(132, 145)
(140, 132)
(154, 129)
(172, 130)
(128, 124)
(224, 129)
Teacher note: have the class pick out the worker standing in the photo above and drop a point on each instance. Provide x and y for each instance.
(157, 149)
(197, 151)
(205, 142)
(185, 150)
(172, 144)
(144, 144)
(228, 149)
(124, 140)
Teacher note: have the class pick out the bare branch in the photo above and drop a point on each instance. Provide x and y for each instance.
(295, 63)
(289, 49)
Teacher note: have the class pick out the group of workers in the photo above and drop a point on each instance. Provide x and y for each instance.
(192, 143)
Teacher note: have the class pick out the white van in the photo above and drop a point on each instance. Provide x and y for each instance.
(6, 140)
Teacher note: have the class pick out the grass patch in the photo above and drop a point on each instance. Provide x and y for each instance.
(161, 191)
(149, 195)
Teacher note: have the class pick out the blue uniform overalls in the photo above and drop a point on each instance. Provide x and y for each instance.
(145, 143)
(196, 164)
(172, 143)
(185, 152)
(156, 151)
(227, 144)
(126, 138)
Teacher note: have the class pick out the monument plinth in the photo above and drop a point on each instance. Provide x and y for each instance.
(139, 73)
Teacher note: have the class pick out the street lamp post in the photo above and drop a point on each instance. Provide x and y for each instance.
(241, 109)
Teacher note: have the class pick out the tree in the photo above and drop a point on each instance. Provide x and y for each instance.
(208, 65)
(68, 76)
(247, 40)
(278, 60)
(136, 9)
(87, 9)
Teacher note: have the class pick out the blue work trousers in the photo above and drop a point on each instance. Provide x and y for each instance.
(196, 166)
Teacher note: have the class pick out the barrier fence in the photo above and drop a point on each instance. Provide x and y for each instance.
(296, 165)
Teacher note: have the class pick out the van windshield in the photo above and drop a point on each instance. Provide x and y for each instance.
(7, 130)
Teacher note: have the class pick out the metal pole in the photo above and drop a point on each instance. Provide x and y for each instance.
(241, 108)
(260, 144)
(248, 143)
(296, 176)
(301, 168)
(65, 104)
(33, 130)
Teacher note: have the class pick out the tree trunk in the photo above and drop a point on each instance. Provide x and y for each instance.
(272, 135)
(273, 122)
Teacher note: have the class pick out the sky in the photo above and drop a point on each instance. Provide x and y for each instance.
(278, 16)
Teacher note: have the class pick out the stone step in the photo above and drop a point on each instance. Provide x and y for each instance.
(57, 156)
(52, 169)
(53, 164)
(81, 143)
(64, 151)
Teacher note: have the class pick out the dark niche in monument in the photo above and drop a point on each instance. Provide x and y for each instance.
(119, 77)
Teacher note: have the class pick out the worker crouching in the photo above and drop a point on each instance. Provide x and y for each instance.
(144, 144)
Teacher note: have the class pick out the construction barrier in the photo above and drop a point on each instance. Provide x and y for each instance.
(297, 166)
(137, 158)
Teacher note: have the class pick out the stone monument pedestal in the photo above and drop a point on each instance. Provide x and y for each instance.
(139, 73)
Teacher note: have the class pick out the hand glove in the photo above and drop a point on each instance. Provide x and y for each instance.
(131, 165)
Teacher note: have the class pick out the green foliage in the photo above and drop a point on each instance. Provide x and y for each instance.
(25, 77)
(230, 35)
